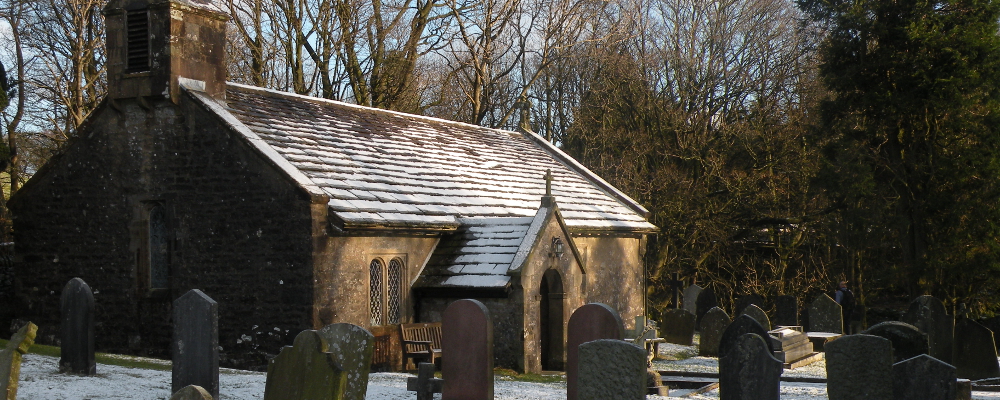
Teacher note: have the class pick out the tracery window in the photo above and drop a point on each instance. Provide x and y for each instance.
(385, 289)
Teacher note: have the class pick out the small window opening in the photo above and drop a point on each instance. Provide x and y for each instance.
(137, 41)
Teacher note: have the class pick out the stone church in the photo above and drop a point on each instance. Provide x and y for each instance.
(293, 212)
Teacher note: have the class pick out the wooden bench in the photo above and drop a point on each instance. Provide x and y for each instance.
(421, 341)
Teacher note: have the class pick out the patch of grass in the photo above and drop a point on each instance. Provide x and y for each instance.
(511, 375)
(103, 358)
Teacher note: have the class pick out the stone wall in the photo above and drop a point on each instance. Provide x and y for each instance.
(614, 274)
(238, 229)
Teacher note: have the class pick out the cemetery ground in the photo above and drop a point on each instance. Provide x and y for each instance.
(128, 377)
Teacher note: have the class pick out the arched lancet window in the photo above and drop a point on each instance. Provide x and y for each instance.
(375, 293)
(386, 291)
(159, 267)
(394, 283)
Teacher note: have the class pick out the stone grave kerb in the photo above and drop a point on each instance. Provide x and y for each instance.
(611, 369)
(305, 371)
(195, 343)
(859, 367)
(924, 378)
(588, 323)
(76, 306)
(10, 359)
(467, 351)
(750, 370)
(351, 347)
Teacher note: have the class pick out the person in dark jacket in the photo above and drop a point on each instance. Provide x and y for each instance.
(845, 298)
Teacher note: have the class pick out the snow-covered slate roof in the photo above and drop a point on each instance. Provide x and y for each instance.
(479, 254)
(389, 169)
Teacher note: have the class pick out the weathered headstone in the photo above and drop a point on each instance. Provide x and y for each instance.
(907, 340)
(195, 345)
(425, 384)
(305, 371)
(749, 371)
(786, 311)
(351, 347)
(929, 315)
(611, 369)
(691, 298)
(677, 326)
(588, 323)
(77, 328)
(10, 360)
(706, 300)
(467, 351)
(743, 324)
(756, 313)
(859, 367)
(825, 315)
(923, 378)
(712, 326)
(192, 392)
(745, 301)
(975, 352)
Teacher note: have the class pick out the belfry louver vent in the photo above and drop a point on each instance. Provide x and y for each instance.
(137, 44)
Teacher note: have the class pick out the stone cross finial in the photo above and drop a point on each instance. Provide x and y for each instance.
(425, 384)
(548, 183)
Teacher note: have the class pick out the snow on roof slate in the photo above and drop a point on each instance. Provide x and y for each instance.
(479, 254)
(383, 168)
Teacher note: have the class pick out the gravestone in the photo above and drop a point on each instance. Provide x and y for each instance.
(676, 285)
(756, 313)
(611, 369)
(786, 311)
(975, 352)
(425, 384)
(993, 324)
(745, 301)
(825, 315)
(706, 300)
(192, 392)
(195, 345)
(677, 326)
(76, 306)
(305, 371)
(907, 340)
(749, 371)
(691, 298)
(742, 325)
(929, 315)
(923, 378)
(352, 348)
(467, 351)
(859, 367)
(791, 346)
(713, 325)
(588, 323)
(10, 359)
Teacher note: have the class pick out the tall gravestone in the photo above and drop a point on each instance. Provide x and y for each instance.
(975, 352)
(907, 340)
(859, 367)
(195, 345)
(305, 371)
(742, 325)
(756, 313)
(712, 326)
(786, 311)
(745, 301)
(76, 306)
(691, 298)
(923, 378)
(929, 315)
(750, 371)
(825, 315)
(351, 347)
(677, 326)
(467, 351)
(706, 301)
(611, 369)
(588, 323)
(10, 360)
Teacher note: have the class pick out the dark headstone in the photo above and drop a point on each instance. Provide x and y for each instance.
(467, 351)
(907, 340)
(77, 308)
(706, 300)
(859, 367)
(195, 345)
(742, 325)
(825, 315)
(929, 315)
(712, 326)
(749, 371)
(10, 359)
(352, 348)
(691, 298)
(305, 371)
(425, 384)
(923, 378)
(745, 301)
(677, 326)
(192, 392)
(756, 313)
(611, 369)
(588, 323)
(786, 311)
(993, 324)
(975, 352)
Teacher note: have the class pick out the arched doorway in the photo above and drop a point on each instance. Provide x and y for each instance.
(551, 323)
